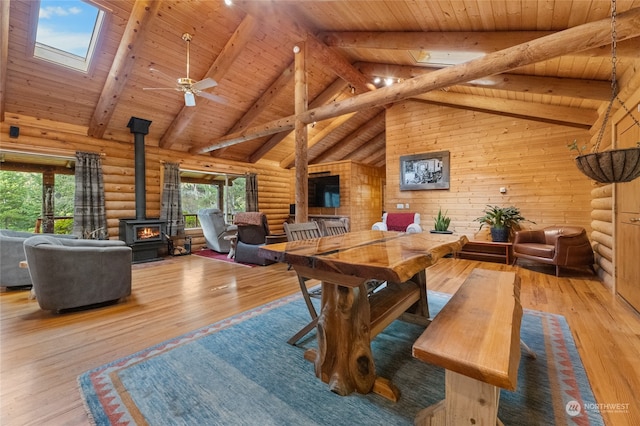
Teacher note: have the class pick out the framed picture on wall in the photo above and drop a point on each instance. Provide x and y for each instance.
(429, 170)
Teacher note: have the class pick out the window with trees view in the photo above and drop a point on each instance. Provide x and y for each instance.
(22, 200)
(202, 191)
(22, 197)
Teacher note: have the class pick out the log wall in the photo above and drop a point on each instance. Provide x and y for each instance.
(487, 151)
(603, 196)
(118, 167)
(602, 234)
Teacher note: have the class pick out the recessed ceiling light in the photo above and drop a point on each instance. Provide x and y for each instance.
(228, 2)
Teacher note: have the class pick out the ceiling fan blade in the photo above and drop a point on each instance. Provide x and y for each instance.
(204, 84)
(212, 97)
(161, 88)
(158, 72)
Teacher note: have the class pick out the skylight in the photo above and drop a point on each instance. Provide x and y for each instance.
(67, 32)
(435, 57)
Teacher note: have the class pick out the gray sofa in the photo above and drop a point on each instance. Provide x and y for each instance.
(12, 253)
(73, 273)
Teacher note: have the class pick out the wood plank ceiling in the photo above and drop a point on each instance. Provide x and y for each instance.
(248, 49)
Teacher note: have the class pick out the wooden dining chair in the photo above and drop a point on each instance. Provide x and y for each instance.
(296, 232)
(333, 227)
(306, 231)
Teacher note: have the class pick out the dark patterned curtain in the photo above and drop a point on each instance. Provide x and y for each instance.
(171, 208)
(252, 192)
(89, 212)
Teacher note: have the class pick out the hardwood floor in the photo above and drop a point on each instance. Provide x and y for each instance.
(43, 353)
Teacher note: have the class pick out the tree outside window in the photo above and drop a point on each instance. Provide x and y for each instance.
(21, 201)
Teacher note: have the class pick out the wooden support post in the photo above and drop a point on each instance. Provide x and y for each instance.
(301, 104)
(48, 187)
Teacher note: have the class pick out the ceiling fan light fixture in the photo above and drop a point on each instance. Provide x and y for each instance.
(189, 99)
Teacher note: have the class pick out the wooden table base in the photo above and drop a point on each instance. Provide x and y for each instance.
(344, 358)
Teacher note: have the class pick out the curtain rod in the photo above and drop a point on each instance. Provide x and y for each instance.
(41, 154)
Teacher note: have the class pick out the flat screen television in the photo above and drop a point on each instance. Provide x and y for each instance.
(324, 191)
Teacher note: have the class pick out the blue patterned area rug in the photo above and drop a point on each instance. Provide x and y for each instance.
(241, 371)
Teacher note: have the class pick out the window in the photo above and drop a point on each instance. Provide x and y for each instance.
(26, 181)
(20, 200)
(67, 32)
(201, 190)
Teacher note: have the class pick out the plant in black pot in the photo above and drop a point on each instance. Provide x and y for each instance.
(501, 220)
(441, 223)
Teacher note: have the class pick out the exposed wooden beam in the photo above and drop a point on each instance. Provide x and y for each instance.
(574, 39)
(326, 96)
(232, 49)
(319, 53)
(570, 116)
(4, 53)
(342, 148)
(271, 143)
(143, 12)
(260, 105)
(457, 41)
(373, 147)
(290, 159)
(373, 153)
(332, 59)
(340, 66)
(570, 87)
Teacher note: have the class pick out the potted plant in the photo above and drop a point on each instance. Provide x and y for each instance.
(501, 220)
(441, 223)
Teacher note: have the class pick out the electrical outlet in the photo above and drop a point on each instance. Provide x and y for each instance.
(399, 206)
(406, 206)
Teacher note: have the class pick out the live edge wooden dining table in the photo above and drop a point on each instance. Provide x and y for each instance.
(350, 319)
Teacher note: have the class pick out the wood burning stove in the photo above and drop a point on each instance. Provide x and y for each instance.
(144, 236)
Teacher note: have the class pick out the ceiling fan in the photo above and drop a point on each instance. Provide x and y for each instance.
(188, 86)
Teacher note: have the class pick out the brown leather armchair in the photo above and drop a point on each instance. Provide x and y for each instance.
(555, 245)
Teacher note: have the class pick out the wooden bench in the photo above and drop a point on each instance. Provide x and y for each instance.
(476, 339)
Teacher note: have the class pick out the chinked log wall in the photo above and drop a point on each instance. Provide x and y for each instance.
(118, 167)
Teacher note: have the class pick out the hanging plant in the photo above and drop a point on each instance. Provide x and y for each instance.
(615, 165)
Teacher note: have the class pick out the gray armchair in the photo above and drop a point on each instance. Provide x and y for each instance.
(73, 273)
(215, 229)
(12, 253)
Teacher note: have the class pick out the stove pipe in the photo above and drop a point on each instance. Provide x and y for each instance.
(140, 127)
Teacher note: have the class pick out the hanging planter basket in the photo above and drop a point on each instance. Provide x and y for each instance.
(613, 166)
